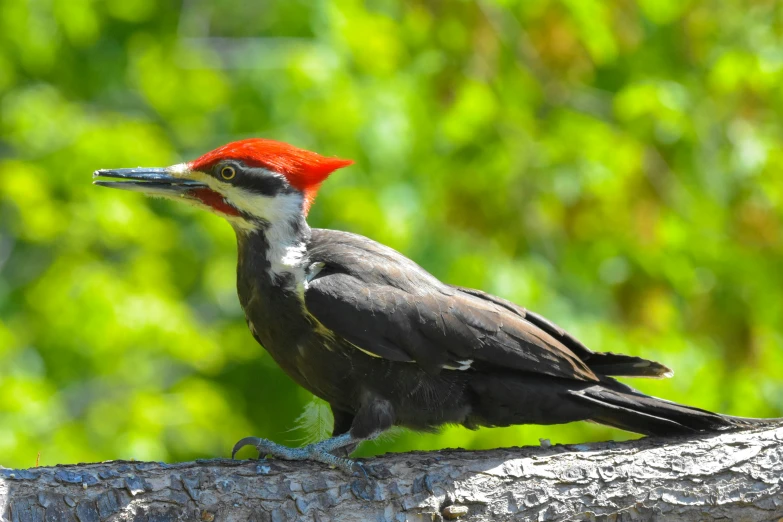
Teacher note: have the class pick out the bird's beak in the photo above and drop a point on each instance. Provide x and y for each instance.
(152, 181)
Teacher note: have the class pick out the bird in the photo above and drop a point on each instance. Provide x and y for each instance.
(380, 339)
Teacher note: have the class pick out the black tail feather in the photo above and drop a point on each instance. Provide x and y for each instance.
(619, 365)
(630, 410)
(602, 363)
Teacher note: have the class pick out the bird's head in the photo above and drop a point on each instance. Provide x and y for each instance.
(252, 182)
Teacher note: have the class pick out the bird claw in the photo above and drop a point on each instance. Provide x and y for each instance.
(378, 471)
(357, 467)
(256, 442)
(318, 452)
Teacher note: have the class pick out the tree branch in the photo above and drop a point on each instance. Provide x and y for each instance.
(731, 476)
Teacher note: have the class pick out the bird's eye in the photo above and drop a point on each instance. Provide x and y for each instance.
(228, 172)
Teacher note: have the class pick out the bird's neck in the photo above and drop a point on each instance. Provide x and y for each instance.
(274, 254)
(270, 285)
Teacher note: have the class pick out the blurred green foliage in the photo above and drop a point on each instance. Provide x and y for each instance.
(613, 165)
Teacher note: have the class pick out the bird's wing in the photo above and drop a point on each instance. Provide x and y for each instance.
(601, 363)
(389, 307)
(568, 340)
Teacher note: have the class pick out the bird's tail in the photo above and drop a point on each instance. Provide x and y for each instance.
(622, 407)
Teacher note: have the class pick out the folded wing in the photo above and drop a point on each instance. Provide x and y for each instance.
(389, 307)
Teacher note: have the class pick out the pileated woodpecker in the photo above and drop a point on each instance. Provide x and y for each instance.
(380, 339)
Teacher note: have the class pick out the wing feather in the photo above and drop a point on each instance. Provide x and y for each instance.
(386, 305)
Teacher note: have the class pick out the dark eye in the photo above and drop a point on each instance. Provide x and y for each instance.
(228, 172)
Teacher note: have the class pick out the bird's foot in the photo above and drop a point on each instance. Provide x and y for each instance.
(345, 451)
(318, 452)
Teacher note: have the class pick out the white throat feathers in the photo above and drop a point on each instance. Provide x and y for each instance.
(287, 251)
(280, 219)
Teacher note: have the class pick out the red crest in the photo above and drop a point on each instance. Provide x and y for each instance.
(303, 169)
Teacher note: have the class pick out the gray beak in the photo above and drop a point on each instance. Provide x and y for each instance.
(154, 181)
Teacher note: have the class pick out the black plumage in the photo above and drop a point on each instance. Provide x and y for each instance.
(385, 343)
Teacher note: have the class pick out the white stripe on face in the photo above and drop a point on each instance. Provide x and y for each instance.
(275, 215)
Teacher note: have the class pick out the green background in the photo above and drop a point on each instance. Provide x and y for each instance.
(612, 165)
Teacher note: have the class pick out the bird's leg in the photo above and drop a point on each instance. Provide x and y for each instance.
(374, 417)
(343, 421)
(319, 451)
(346, 451)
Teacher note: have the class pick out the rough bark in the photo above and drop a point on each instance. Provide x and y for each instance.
(732, 476)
